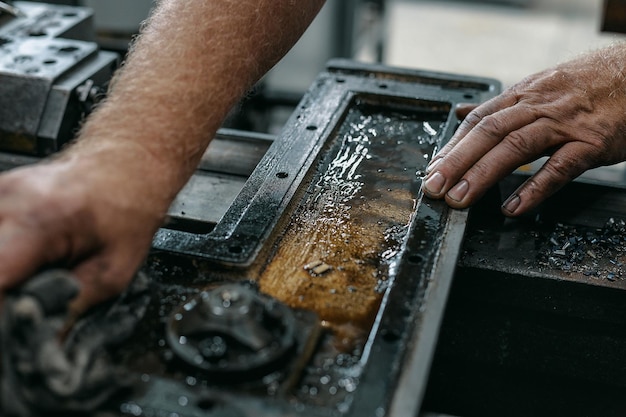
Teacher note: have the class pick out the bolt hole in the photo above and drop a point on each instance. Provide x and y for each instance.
(415, 259)
(235, 249)
(50, 61)
(340, 80)
(282, 175)
(468, 96)
(383, 86)
(311, 127)
(68, 49)
(206, 404)
(37, 34)
(390, 335)
(70, 14)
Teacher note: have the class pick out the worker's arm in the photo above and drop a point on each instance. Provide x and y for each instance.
(95, 207)
(575, 112)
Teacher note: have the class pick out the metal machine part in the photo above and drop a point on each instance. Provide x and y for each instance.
(51, 73)
(331, 224)
(332, 220)
(225, 167)
(232, 332)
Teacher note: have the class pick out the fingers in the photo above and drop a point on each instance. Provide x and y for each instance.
(566, 164)
(26, 250)
(517, 148)
(483, 157)
(446, 171)
(474, 117)
(104, 276)
(20, 253)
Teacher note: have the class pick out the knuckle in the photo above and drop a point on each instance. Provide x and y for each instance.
(563, 168)
(490, 125)
(480, 170)
(519, 144)
(473, 118)
(454, 162)
(601, 144)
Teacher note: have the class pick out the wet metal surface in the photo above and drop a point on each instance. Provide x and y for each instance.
(345, 238)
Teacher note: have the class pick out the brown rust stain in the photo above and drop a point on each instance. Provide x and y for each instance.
(351, 247)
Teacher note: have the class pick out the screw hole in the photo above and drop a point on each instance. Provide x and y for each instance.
(468, 96)
(415, 259)
(68, 49)
(311, 127)
(206, 404)
(340, 80)
(383, 86)
(235, 249)
(282, 175)
(390, 335)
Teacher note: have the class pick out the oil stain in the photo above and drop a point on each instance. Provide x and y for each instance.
(351, 224)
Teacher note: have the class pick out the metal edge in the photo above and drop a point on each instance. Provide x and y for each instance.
(265, 184)
(483, 84)
(411, 385)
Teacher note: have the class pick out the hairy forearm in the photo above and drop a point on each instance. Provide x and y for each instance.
(192, 62)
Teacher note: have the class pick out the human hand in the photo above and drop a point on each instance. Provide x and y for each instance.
(573, 112)
(97, 220)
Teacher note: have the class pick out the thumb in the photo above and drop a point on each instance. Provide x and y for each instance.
(22, 254)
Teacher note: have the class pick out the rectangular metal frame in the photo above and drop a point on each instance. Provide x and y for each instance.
(243, 229)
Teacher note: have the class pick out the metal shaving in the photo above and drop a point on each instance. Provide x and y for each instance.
(596, 252)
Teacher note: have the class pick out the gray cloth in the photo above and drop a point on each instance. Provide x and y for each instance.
(44, 375)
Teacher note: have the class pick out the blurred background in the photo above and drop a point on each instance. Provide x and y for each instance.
(503, 39)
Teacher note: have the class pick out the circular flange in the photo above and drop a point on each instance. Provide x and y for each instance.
(232, 331)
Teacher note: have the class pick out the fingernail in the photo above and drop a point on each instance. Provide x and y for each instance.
(434, 184)
(512, 203)
(432, 165)
(458, 192)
